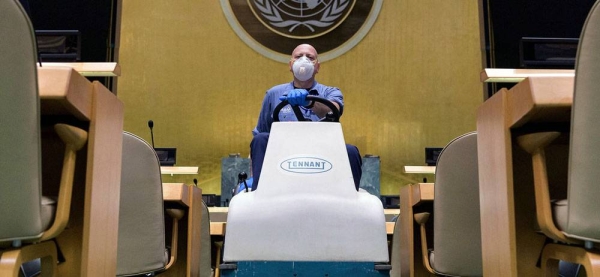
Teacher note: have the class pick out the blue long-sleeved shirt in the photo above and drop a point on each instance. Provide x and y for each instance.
(271, 100)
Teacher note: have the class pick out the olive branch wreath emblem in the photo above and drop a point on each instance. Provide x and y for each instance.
(331, 13)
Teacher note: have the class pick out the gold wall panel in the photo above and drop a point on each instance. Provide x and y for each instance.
(412, 82)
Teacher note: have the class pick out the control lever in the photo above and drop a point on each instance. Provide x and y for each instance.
(242, 177)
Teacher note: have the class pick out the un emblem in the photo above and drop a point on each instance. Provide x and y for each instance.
(301, 19)
(275, 27)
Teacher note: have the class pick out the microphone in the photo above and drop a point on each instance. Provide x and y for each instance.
(151, 125)
(196, 182)
(242, 178)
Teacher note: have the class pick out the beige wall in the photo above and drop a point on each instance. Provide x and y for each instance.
(412, 82)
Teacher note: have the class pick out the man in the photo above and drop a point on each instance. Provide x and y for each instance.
(304, 65)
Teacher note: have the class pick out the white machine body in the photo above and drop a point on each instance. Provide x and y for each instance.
(306, 207)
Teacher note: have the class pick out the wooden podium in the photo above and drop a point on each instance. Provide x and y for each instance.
(89, 243)
(510, 246)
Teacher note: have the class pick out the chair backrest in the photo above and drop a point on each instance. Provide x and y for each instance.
(396, 257)
(20, 166)
(584, 176)
(456, 222)
(205, 243)
(141, 246)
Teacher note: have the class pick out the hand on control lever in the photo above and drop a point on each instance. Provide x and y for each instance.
(296, 97)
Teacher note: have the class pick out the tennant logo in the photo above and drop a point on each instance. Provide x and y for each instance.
(275, 27)
(306, 165)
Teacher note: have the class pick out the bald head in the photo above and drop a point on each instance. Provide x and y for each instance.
(305, 50)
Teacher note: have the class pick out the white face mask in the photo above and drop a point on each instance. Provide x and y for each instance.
(303, 68)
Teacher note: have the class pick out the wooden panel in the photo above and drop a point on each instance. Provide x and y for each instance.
(103, 184)
(497, 205)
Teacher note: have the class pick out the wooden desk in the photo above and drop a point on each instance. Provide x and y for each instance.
(218, 228)
(178, 170)
(509, 245)
(509, 75)
(419, 169)
(188, 248)
(412, 198)
(89, 69)
(89, 243)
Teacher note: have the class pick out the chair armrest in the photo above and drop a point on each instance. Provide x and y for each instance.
(176, 214)
(536, 141)
(74, 139)
(421, 219)
(535, 144)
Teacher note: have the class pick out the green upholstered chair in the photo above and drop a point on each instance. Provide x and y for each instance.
(573, 223)
(28, 220)
(456, 221)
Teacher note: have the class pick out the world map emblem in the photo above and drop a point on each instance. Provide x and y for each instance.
(275, 27)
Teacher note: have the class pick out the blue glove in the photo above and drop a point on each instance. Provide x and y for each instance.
(296, 97)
